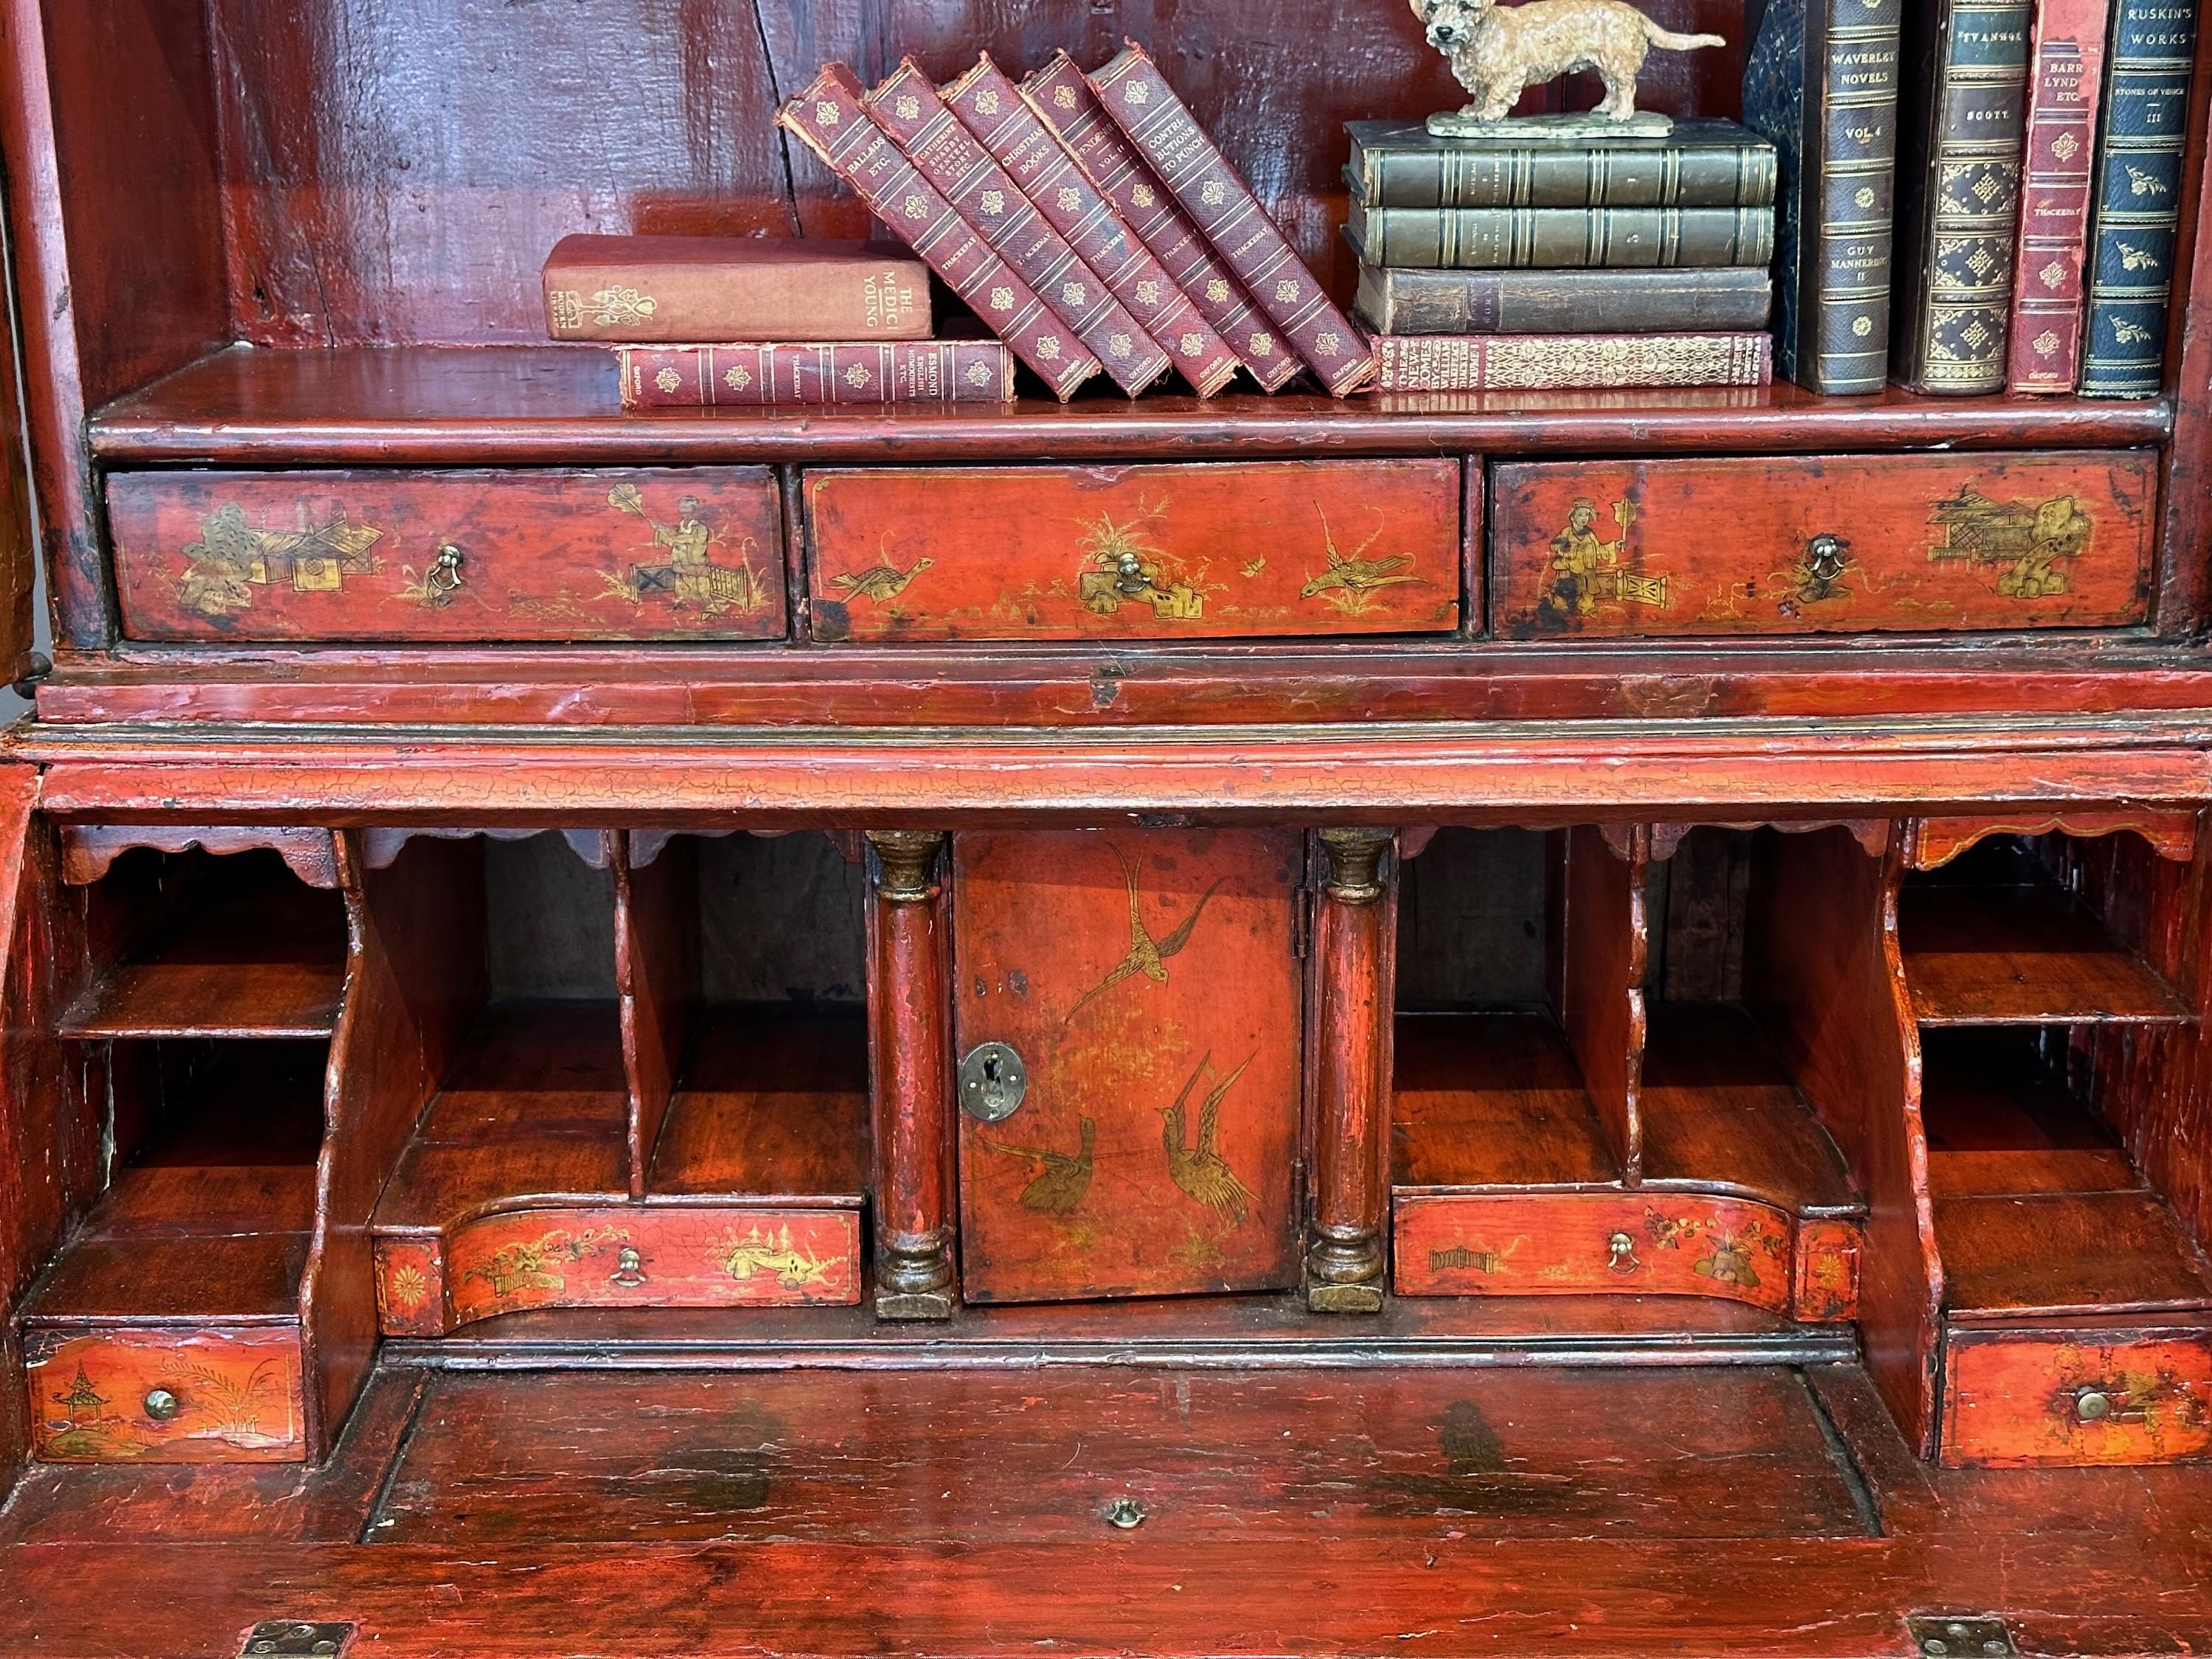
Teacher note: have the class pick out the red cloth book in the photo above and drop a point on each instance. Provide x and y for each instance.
(1191, 165)
(794, 375)
(2065, 79)
(908, 107)
(733, 288)
(1064, 101)
(991, 107)
(829, 118)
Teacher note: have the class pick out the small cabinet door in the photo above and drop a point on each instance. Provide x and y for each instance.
(1148, 982)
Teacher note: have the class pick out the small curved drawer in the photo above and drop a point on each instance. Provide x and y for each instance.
(2077, 1395)
(175, 1395)
(1823, 544)
(1252, 550)
(637, 554)
(1644, 1243)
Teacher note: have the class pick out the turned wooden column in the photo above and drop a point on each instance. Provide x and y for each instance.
(912, 1092)
(1344, 1263)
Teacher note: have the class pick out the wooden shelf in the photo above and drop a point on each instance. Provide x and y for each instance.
(1492, 1100)
(428, 405)
(173, 998)
(2030, 955)
(773, 1103)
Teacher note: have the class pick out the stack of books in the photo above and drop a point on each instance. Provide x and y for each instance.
(1521, 261)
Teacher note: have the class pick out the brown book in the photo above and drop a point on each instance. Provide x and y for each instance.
(733, 288)
(2065, 84)
(793, 375)
(1064, 101)
(991, 107)
(908, 107)
(1597, 362)
(829, 119)
(1191, 165)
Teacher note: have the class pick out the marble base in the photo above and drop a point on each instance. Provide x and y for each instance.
(1646, 126)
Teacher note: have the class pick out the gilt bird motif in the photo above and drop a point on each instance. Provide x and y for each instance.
(1357, 574)
(879, 582)
(1200, 1171)
(1060, 1181)
(1147, 955)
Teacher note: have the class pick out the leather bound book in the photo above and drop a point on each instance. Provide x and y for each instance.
(908, 107)
(1821, 82)
(991, 107)
(1190, 163)
(2064, 81)
(1596, 362)
(1965, 90)
(2140, 189)
(730, 288)
(829, 119)
(1703, 162)
(792, 376)
(1553, 239)
(1064, 101)
(1731, 299)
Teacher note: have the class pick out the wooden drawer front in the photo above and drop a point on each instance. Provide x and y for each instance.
(1605, 1243)
(2077, 1396)
(231, 1396)
(1140, 552)
(634, 554)
(619, 1256)
(1727, 547)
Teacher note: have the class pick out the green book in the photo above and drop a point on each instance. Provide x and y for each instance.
(1703, 162)
(1528, 238)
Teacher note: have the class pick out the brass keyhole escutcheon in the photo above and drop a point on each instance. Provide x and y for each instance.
(992, 1083)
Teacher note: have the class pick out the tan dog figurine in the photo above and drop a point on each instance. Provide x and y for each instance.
(1498, 51)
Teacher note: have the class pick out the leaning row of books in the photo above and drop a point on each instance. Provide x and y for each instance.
(1530, 259)
(1089, 222)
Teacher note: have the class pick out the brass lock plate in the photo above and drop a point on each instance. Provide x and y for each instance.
(993, 1082)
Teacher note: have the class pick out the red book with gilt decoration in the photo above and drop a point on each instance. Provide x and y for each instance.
(2066, 76)
(789, 374)
(909, 107)
(1191, 165)
(829, 119)
(1064, 101)
(991, 107)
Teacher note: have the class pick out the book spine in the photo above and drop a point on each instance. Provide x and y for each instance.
(828, 119)
(993, 109)
(2063, 89)
(1971, 202)
(1726, 299)
(793, 375)
(1158, 123)
(1482, 239)
(1849, 199)
(611, 302)
(1574, 362)
(908, 107)
(2140, 190)
(1475, 176)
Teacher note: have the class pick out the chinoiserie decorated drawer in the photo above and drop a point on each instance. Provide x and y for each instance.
(1141, 552)
(1644, 1243)
(617, 1256)
(646, 554)
(2076, 1395)
(157, 1394)
(1824, 545)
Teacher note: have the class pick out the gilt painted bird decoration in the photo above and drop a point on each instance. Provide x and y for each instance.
(1147, 955)
(1200, 1171)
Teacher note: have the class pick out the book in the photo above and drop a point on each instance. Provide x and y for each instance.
(1687, 299)
(721, 288)
(1515, 362)
(1965, 90)
(2065, 82)
(1820, 81)
(780, 375)
(1199, 176)
(1483, 238)
(1703, 162)
(828, 118)
(1062, 97)
(2140, 189)
(993, 109)
(908, 106)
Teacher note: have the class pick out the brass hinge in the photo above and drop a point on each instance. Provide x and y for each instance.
(1957, 1635)
(294, 1639)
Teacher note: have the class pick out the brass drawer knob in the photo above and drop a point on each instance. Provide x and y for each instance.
(444, 575)
(162, 1405)
(1621, 1254)
(2092, 1405)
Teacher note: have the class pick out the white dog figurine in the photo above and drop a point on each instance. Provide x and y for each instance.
(1497, 50)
